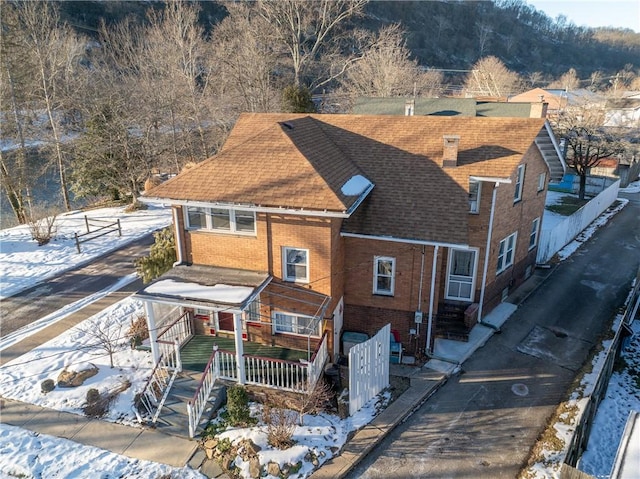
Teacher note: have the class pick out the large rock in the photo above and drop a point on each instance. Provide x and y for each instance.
(73, 378)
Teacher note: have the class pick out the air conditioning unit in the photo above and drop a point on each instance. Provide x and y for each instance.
(418, 317)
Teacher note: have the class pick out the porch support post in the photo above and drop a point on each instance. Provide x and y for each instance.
(153, 331)
(432, 293)
(487, 251)
(237, 334)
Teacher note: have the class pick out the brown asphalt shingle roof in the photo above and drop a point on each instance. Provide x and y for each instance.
(302, 161)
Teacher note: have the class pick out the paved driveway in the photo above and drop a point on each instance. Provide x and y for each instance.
(484, 421)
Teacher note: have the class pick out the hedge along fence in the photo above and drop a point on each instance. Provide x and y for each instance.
(100, 228)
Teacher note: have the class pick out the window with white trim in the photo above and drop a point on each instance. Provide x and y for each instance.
(295, 264)
(474, 196)
(295, 324)
(223, 220)
(220, 219)
(542, 181)
(196, 217)
(384, 272)
(506, 252)
(517, 195)
(533, 235)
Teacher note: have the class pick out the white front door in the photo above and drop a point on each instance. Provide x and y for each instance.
(462, 274)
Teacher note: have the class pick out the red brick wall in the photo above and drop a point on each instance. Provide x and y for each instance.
(517, 217)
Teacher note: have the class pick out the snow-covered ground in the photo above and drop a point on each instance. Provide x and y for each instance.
(24, 454)
(24, 264)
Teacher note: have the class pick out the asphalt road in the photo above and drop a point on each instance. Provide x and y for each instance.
(46, 298)
(483, 422)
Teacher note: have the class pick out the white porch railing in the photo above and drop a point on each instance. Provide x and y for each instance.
(155, 392)
(180, 330)
(296, 376)
(319, 359)
(197, 405)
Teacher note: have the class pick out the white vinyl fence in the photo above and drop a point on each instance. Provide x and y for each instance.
(368, 369)
(553, 240)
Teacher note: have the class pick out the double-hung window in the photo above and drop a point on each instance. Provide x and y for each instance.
(384, 272)
(542, 181)
(506, 252)
(533, 236)
(222, 220)
(474, 196)
(295, 264)
(295, 324)
(196, 217)
(517, 195)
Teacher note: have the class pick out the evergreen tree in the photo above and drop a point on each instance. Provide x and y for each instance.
(161, 256)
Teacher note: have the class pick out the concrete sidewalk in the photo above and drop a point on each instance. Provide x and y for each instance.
(151, 445)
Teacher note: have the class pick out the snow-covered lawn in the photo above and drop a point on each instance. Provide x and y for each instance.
(24, 264)
(24, 454)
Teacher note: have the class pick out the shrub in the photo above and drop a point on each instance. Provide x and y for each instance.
(281, 424)
(238, 413)
(47, 386)
(93, 395)
(42, 229)
(138, 331)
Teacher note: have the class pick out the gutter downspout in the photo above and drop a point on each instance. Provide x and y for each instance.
(486, 256)
(178, 237)
(431, 298)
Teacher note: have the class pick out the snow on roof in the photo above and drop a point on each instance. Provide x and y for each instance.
(221, 293)
(355, 186)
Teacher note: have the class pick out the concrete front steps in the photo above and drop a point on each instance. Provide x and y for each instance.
(174, 418)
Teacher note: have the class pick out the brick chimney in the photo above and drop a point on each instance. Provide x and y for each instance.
(539, 110)
(450, 151)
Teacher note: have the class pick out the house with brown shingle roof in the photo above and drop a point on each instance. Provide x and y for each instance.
(305, 226)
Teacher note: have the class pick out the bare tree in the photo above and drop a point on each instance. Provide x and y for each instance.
(308, 30)
(174, 50)
(55, 51)
(104, 336)
(586, 139)
(246, 78)
(484, 31)
(15, 78)
(568, 81)
(489, 76)
(385, 68)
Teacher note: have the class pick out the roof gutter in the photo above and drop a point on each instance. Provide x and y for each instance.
(259, 209)
(491, 179)
(404, 240)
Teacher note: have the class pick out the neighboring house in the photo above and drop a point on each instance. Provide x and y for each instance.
(623, 112)
(310, 224)
(624, 167)
(559, 99)
(448, 107)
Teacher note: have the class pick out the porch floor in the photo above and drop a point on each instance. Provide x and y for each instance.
(196, 353)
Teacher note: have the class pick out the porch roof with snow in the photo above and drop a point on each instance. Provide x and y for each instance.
(206, 287)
